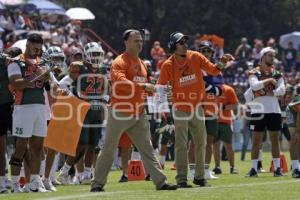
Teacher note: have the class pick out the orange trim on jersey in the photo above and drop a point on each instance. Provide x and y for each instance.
(18, 97)
(18, 94)
(270, 86)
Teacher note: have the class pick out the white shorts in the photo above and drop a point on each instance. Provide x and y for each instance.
(29, 120)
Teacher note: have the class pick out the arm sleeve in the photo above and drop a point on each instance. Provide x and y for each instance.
(255, 84)
(280, 90)
(13, 69)
(207, 66)
(164, 75)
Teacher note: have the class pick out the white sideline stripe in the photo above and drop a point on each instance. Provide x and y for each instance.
(254, 184)
(195, 188)
(90, 194)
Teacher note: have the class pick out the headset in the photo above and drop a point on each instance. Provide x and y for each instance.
(128, 31)
(174, 38)
(172, 42)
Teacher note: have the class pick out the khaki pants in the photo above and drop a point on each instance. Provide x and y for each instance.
(198, 132)
(139, 132)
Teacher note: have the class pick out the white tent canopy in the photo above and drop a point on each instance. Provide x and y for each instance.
(293, 37)
(12, 2)
(80, 14)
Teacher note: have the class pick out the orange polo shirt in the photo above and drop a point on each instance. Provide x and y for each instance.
(127, 97)
(187, 79)
(228, 97)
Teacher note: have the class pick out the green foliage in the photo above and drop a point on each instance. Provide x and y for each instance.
(230, 19)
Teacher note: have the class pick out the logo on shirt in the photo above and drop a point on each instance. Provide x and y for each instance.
(188, 80)
(139, 79)
(188, 77)
(139, 75)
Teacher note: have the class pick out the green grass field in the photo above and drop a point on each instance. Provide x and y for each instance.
(226, 187)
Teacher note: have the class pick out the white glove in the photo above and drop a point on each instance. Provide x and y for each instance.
(172, 128)
(106, 98)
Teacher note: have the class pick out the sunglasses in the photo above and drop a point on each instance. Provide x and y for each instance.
(182, 42)
(205, 51)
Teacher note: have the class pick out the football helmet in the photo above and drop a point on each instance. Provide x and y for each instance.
(55, 57)
(94, 54)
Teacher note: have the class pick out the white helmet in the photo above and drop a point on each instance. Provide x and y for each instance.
(54, 56)
(94, 54)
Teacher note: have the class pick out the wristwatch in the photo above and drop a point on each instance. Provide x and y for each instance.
(220, 65)
(144, 86)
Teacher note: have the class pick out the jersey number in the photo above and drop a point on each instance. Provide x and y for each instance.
(92, 81)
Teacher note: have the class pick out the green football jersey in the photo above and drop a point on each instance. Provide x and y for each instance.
(5, 94)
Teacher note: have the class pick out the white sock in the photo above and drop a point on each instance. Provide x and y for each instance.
(254, 164)
(79, 174)
(88, 171)
(276, 162)
(162, 160)
(156, 152)
(15, 179)
(295, 164)
(22, 172)
(116, 160)
(192, 166)
(119, 162)
(54, 167)
(2, 181)
(42, 167)
(7, 161)
(34, 177)
(65, 169)
(206, 166)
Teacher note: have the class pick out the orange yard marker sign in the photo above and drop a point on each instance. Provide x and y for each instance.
(64, 129)
(136, 170)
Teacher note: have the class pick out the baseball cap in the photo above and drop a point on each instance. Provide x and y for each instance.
(177, 36)
(264, 51)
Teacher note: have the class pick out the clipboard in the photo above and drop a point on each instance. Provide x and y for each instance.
(39, 76)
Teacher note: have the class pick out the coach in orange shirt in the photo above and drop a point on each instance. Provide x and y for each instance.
(183, 71)
(126, 114)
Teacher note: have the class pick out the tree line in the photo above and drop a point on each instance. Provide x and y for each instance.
(229, 19)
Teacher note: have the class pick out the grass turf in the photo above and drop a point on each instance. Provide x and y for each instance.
(226, 187)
